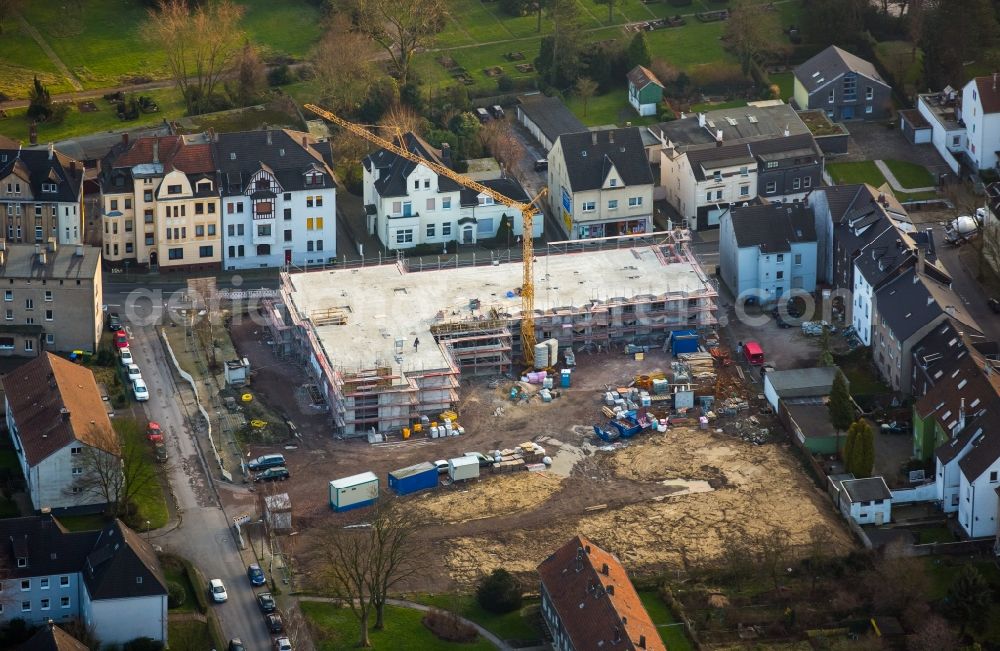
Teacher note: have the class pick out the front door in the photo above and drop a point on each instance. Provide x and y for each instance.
(466, 235)
(288, 256)
(847, 113)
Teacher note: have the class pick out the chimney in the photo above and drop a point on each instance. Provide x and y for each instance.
(610, 589)
(642, 641)
(930, 241)
(269, 136)
(718, 136)
(604, 569)
(593, 137)
(125, 140)
(52, 150)
(42, 258)
(611, 136)
(446, 154)
(78, 251)
(961, 416)
(64, 413)
(787, 132)
(701, 120)
(33, 133)
(899, 243)
(38, 248)
(53, 245)
(156, 150)
(305, 142)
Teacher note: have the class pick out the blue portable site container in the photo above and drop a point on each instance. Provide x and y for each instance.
(414, 478)
(683, 341)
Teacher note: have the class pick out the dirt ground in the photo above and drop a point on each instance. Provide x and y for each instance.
(659, 501)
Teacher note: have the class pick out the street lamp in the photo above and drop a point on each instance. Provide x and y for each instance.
(148, 523)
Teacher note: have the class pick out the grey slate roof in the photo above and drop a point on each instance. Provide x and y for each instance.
(395, 170)
(35, 166)
(550, 115)
(802, 148)
(289, 156)
(589, 156)
(866, 490)
(52, 638)
(48, 546)
(773, 228)
(803, 382)
(21, 262)
(911, 300)
(830, 64)
(985, 451)
(122, 564)
(509, 187)
(752, 123)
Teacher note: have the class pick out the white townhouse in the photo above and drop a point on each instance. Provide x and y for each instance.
(279, 199)
(601, 184)
(407, 204)
(57, 421)
(109, 579)
(980, 112)
(866, 501)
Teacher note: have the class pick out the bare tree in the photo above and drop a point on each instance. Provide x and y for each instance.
(251, 77)
(772, 550)
(200, 44)
(342, 64)
(346, 568)
(399, 120)
(664, 71)
(8, 8)
(932, 635)
(750, 32)
(394, 559)
(400, 27)
(585, 88)
(114, 466)
(497, 136)
(737, 557)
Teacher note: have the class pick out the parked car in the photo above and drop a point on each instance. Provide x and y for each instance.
(121, 339)
(139, 390)
(994, 305)
(125, 356)
(272, 474)
(497, 111)
(484, 461)
(161, 452)
(256, 575)
(266, 602)
(153, 432)
(483, 115)
(274, 623)
(218, 591)
(282, 644)
(541, 165)
(442, 465)
(266, 461)
(236, 644)
(114, 322)
(133, 372)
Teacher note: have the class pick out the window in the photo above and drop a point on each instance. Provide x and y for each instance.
(63, 581)
(199, 231)
(309, 202)
(634, 202)
(446, 203)
(288, 196)
(319, 223)
(229, 208)
(232, 252)
(613, 204)
(173, 189)
(416, 184)
(64, 601)
(149, 239)
(319, 202)
(9, 315)
(779, 275)
(309, 245)
(25, 606)
(8, 295)
(231, 231)
(869, 93)
(175, 254)
(239, 230)
(430, 203)
(204, 186)
(431, 229)
(780, 257)
(708, 196)
(50, 338)
(45, 604)
(614, 183)
(199, 208)
(263, 230)
(205, 251)
(796, 183)
(717, 175)
(446, 229)
(319, 245)
(798, 259)
(993, 476)
(241, 250)
(770, 187)
(147, 216)
(6, 343)
(48, 315)
(76, 450)
(830, 98)
(744, 171)
(589, 206)
(239, 208)
(868, 109)
(288, 235)
(288, 214)
(29, 303)
(114, 204)
(807, 181)
(147, 196)
(128, 225)
(25, 585)
(404, 236)
(485, 200)
(744, 190)
(43, 583)
(309, 223)
(262, 249)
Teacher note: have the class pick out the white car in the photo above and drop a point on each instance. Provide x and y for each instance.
(134, 373)
(139, 390)
(282, 644)
(218, 591)
(126, 356)
(442, 465)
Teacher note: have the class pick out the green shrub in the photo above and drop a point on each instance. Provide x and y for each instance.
(280, 76)
(499, 592)
(143, 644)
(175, 594)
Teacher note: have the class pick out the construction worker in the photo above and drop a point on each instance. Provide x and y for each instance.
(416, 343)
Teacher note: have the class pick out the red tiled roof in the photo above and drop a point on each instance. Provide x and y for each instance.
(173, 152)
(989, 93)
(56, 402)
(595, 600)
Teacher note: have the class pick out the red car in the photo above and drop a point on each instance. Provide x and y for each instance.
(154, 433)
(121, 339)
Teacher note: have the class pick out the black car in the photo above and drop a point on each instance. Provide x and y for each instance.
(114, 322)
(274, 623)
(266, 602)
(236, 644)
(271, 474)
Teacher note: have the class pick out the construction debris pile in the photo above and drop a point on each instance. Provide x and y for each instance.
(700, 365)
(751, 431)
(815, 328)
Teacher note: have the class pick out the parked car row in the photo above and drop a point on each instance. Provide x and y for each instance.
(265, 601)
(268, 467)
(139, 389)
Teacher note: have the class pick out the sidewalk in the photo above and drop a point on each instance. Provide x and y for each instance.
(894, 182)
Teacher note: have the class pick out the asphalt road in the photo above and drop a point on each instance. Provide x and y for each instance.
(204, 535)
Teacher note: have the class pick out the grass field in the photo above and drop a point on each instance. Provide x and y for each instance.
(855, 172)
(671, 631)
(175, 572)
(610, 108)
(336, 629)
(517, 625)
(910, 175)
(150, 501)
(786, 82)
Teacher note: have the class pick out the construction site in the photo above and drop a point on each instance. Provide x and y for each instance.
(387, 345)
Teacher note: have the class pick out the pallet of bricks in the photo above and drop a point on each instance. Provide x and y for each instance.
(527, 456)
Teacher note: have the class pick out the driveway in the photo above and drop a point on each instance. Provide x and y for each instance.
(965, 284)
(204, 534)
(876, 141)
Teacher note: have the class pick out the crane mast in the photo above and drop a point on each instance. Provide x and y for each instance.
(528, 211)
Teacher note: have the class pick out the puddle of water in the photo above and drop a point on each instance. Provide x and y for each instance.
(687, 486)
(564, 460)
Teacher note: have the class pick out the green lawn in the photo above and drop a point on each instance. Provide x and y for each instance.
(82, 522)
(856, 172)
(932, 534)
(151, 501)
(21, 58)
(910, 175)
(192, 634)
(336, 629)
(786, 82)
(944, 569)
(518, 625)
(103, 119)
(857, 367)
(671, 631)
(610, 108)
(174, 571)
(714, 106)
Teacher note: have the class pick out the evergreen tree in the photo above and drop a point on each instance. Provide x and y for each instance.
(40, 106)
(861, 462)
(825, 353)
(852, 440)
(969, 598)
(638, 51)
(841, 407)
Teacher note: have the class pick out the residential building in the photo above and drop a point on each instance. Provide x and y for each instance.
(948, 132)
(600, 183)
(915, 127)
(408, 204)
(61, 433)
(52, 298)
(161, 204)
(799, 397)
(768, 251)
(589, 603)
(546, 118)
(50, 637)
(866, 501)
(846, 86)
(980, 112)
(906, 307)
(279, 199)
(979, 480)
(713, 161)
(41, 196)
(109, 579)
(645, 91)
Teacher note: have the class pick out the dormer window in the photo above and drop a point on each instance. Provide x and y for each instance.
(22, 561)
(316, 178)
(204, 186)
(614, 183)
(173, 189)
(50, 187)
(485, 200)
(718, 175)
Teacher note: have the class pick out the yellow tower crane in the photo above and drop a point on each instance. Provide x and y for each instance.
(528, 211)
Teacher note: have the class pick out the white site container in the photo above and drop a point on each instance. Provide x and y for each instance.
(541, 355)
(553, 345)
(353, 492)
(461, 468)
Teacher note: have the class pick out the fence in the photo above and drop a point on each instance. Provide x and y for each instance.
(923, 493)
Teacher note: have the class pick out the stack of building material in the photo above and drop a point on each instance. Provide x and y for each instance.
(701, 365)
